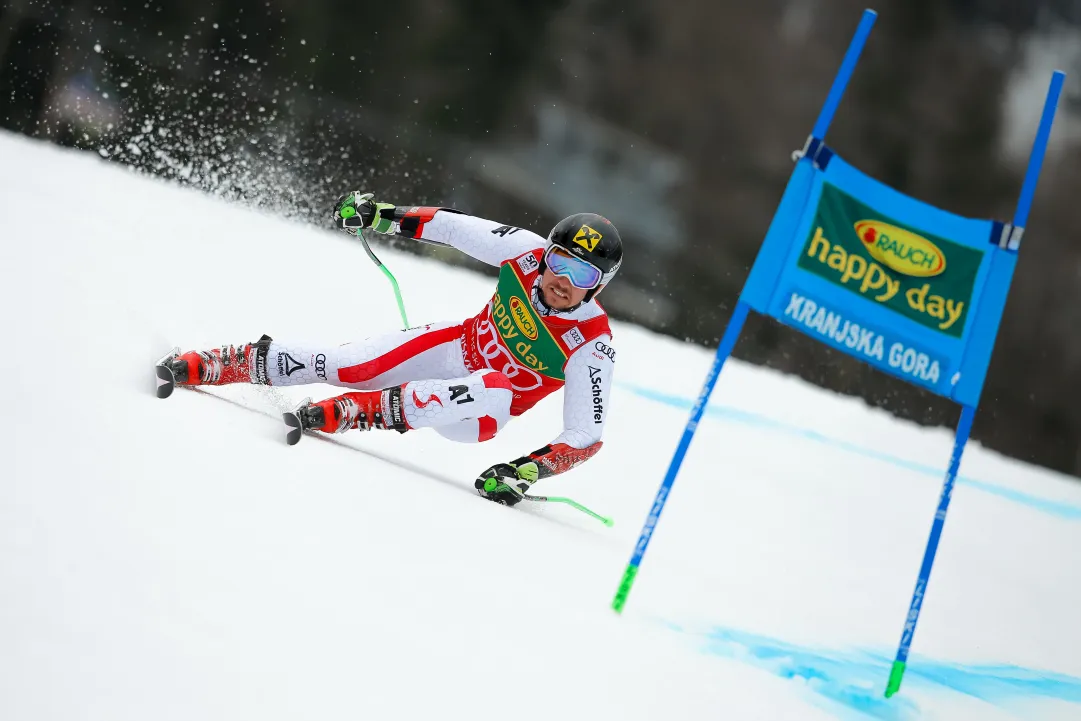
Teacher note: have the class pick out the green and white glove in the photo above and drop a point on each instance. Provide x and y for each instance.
(506, 482)
(356, 211)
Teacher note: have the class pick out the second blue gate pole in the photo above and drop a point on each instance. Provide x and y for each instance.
(964, 428)
(1024, 203)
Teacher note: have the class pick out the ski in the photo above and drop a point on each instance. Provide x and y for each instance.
(165, 379)
(294, 424)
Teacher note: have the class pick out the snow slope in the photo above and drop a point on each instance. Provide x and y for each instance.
(176, 560)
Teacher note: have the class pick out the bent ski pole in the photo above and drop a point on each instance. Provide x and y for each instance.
(386, 272)
(552, 499)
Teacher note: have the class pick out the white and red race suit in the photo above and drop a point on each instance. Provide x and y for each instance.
(446, 369)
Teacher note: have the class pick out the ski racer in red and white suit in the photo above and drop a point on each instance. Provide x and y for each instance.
(542, 330)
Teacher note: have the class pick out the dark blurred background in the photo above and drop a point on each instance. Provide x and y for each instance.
(675, 118)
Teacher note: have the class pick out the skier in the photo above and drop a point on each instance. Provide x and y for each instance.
(542, 330)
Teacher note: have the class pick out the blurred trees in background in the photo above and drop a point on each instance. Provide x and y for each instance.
(675, 119)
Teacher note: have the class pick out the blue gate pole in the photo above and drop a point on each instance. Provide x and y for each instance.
(735, 327)
(964, 428)
(1039, 149)
(728, 342)
(840, 82)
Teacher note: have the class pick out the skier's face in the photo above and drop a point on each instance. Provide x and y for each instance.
(558, 291)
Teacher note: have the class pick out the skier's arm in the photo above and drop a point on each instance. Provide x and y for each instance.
(586, 397)
(485, 240)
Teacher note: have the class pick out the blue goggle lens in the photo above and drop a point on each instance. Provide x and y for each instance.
(580, 273)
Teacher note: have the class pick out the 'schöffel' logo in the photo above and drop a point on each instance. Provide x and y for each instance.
(288, 365)
(596, 380)
(587, 238)
(900, 249)
(521, 317)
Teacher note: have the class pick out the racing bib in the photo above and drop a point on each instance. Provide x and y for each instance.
(521, 328)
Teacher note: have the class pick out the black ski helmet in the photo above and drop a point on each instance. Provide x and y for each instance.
(592, 238)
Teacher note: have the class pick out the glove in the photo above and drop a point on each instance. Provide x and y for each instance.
(505, 482)
(355, 211)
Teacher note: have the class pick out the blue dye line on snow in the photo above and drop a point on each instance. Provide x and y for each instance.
(1055, 508)
(856, 679)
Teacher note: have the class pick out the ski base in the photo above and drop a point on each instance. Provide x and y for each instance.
(165, 379)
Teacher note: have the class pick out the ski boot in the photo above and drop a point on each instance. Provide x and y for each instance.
(362, 410)
(216, 367)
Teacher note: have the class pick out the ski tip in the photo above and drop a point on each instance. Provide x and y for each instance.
(292, 422)
(165, 381)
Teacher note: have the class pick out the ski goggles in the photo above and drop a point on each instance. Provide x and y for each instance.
(582, 274)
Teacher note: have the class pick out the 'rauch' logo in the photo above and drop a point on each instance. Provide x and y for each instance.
(890, 263)
(900, 249)
(521, 318)
(522, 350)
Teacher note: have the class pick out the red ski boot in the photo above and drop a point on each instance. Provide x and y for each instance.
(216, 367)
(363, 410)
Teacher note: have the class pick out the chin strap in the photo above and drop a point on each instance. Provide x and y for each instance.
(545, 309)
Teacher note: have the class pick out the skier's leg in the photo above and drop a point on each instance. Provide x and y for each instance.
(431, 351)
(481, 428)
(479, 406)
(473, 430)
(482, 399)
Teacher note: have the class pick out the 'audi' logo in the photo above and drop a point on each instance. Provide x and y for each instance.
(522, 379)
(610, 352)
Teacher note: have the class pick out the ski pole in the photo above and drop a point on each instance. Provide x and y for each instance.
(390, 277)
(546, 499)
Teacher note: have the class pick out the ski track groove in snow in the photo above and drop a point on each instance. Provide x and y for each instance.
(276, 408)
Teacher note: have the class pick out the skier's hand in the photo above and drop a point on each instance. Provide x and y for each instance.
(505, 482)
(355, 211)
